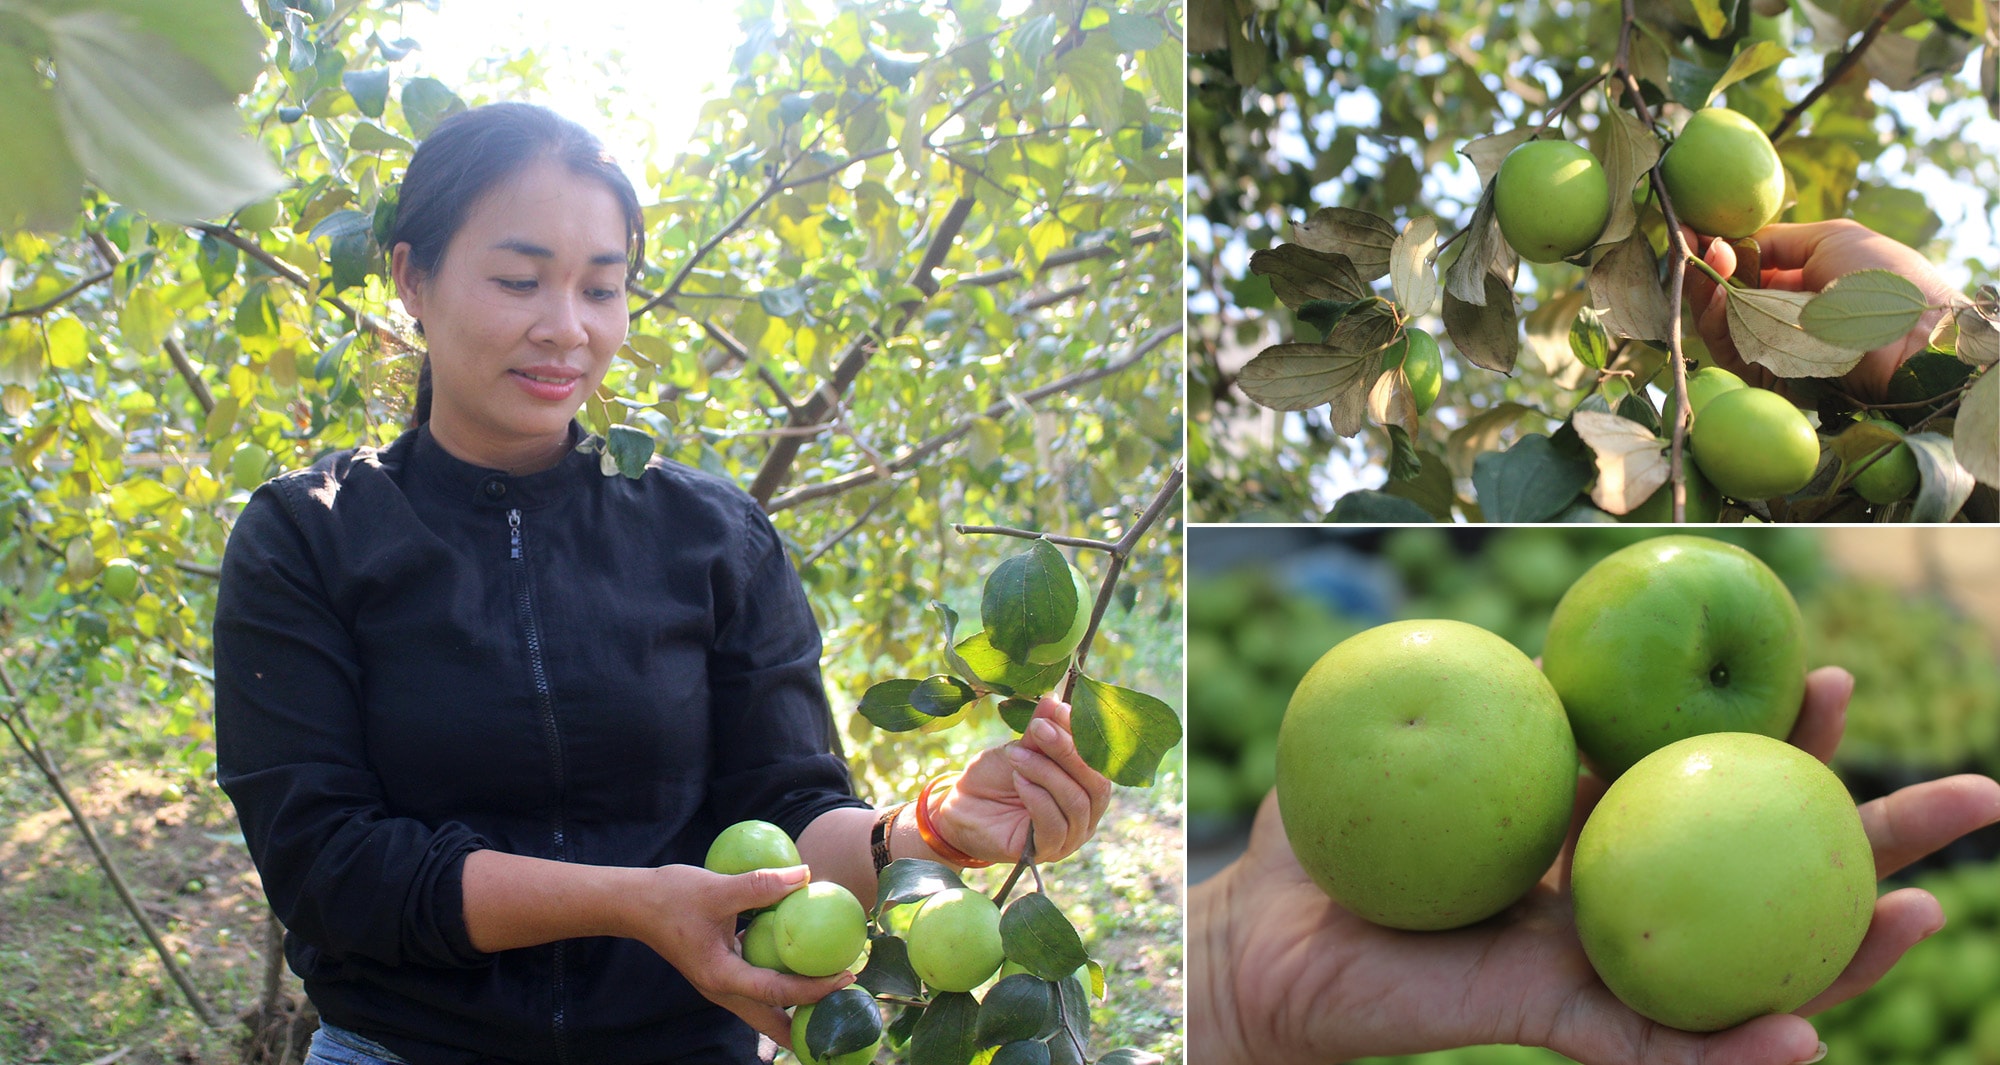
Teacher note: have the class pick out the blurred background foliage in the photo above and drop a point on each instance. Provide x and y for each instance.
(1300, 104)
(1913, 614)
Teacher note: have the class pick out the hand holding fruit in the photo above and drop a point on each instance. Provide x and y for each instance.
(1807, 258)
(690, 920)
(1285, 974)
(1038, 780)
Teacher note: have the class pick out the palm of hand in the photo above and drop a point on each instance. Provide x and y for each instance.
(1313, 982)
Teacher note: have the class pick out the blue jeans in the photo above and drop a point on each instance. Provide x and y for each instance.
(338, 1046)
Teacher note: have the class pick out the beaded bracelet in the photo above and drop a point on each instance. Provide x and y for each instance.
(927, 829)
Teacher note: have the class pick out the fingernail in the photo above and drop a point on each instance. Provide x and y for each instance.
(1044, 731)
(795, 874)
(1017, 755)
(1817, 1055)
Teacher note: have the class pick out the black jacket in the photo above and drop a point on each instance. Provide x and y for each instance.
(416, 657)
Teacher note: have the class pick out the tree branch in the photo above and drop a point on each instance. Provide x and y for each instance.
(290, 273)
(1840, 68)
(182, 364)
(828, 543)
(778, 461)
(1030, 534)
(964, 425)
(1169, 494)
(59, 299)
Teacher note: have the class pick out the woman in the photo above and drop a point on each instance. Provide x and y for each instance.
(482, 709)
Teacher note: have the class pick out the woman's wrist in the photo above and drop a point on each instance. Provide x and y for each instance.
(514, 901)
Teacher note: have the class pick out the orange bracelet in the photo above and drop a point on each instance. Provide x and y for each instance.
(927, 830)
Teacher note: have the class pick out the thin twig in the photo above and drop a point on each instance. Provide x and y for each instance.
(857, 479)
(1678, 254)
(1021, 865)
(1840, 68)
(23, 732)
(182, 364)
(1030, 534)
(1170, 492)
(1555, 113)
(828, 543)
(58, 299)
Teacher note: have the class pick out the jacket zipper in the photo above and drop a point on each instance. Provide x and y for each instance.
(545, 709)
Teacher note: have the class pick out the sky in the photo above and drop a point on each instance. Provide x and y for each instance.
(663, 56)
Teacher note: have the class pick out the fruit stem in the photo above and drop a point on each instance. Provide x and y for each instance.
(1710, 270)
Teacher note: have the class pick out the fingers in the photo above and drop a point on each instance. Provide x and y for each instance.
(1902, 920)
(1054, 792)
(1788, 246)
(1596, 1029)
(759, 888)
(1908, 824)
(1823, 713)
(1050, 734)
(770, 1020)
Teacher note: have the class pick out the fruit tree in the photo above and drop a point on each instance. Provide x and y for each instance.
(1531, 185)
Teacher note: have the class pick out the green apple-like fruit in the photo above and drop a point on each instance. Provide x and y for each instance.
(760, 943)
(955, 940)
(1670, 638)
(259, 216)
(1723, 176)
(1891, 477)
(821, 929)
(1704, 503)
(1423, 364)
(120, 579)
(1551, 199)
(1755, 444)
(1703, 385)
(1048, 654)
(801, 1017)
(247, 466)
(1425, 774)
(1724, 877)
(747, 846)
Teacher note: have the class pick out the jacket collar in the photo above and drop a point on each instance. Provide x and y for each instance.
(479, 486)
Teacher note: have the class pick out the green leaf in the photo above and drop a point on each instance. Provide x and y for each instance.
(219, 34)
(1323, 315)
(887, 705)
(1405, 462)
(369, 137)
(426, 102)
(952, 658)
(631, 448)
(40, 181)
(1758, 57)
(1131, 1056)
(1945, 486)
(351, 246)
(216, 261)
(941, 695)
(1121, 733)
(1032, 40)
(1037, 936)
(1092, 72)
(782, 302)
(1022, 1052)
(1528, 482)
(1022, 1006)
(1367, 506)
(255, 317)
(947, 1032)
(1588, 340)
(144, 322)
(888, 971)
(1431, 488)
(369, 88)
(842, 1023)
(1075, 1008)
(1134, 32)
(994, 668)
(1864, 310)
(911, 880)
(1018, 714)
(1029, 600)
(1689, 83)
(151, 124)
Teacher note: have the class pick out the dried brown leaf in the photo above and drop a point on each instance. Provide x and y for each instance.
(1390, 401)
(1299, 274)
(1488, 335)
(1628, 149)
(1411, 272)
(1631, 461)
(1625, 289)
(1363, 237)
(1764, 326)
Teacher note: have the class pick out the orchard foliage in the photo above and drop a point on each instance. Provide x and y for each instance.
(1325, 158)
(917, 265)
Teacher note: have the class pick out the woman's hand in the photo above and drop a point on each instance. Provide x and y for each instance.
(688, 915)
(1282, 973)
(1808, 257)
(1038, 780)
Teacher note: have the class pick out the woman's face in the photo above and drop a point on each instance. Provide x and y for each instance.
(522, 316)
